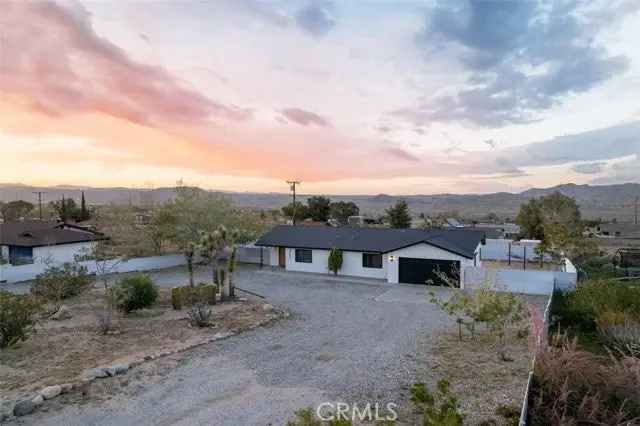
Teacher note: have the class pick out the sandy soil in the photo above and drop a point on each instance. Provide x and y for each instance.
(60, 351)
(480, 380)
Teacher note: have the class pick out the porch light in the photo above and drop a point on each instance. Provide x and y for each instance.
(391, 258)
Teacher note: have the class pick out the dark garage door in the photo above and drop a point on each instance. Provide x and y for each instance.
(418, 271)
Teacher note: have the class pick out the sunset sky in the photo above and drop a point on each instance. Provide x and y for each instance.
(350, 97)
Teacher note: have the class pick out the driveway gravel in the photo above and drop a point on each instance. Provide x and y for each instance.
(345, 341)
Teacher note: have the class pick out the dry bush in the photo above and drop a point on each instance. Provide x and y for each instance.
(620, 333)
(200, 315)
(576, 387)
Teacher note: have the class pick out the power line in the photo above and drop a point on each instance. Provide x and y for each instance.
(292, 185)
(39, 194)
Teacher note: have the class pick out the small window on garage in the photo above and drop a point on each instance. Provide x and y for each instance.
(304, 256)
(372, 260)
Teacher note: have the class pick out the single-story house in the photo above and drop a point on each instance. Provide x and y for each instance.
(396, 255)
(33, 241)
(619, 230)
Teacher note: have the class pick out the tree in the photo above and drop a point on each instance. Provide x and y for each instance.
(233, 237)
(210, 245)
(66, 209)
(398, 215)
(335, 260)
(14, 210)
(301, 211)
(556, 221)
(197, 211)
(341, 210)
(189, 252)
(161, 228)
(531, 220)
(318, 208)
(84, 213)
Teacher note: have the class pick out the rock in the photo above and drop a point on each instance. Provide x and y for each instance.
(6, 410)
(66, 387)
(117, 369)
(95, 373)
(267, 307)
(24, 407)
(37, 400)
(50, 391)
(64, 313)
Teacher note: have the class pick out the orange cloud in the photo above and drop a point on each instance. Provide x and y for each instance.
(62, 79)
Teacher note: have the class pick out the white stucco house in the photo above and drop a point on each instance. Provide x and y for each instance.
(412, 256)
(34, 242)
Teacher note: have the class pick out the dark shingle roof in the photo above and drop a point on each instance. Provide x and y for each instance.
(380, 240)
(35, 233)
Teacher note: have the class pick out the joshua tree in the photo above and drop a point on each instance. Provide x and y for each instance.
(209, 247)
(189, 253)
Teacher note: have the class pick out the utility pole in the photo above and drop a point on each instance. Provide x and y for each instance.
(39, 194)
(292, 185)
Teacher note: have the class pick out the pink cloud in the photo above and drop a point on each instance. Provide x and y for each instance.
(53, 56)
(305, 118)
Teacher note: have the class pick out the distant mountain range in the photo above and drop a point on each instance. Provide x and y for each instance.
(606, 201)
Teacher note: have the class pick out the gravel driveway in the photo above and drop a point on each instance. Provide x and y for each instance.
(345, 341)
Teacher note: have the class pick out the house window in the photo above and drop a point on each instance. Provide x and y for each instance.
(304, 256)
(372, 260)
(20, 255)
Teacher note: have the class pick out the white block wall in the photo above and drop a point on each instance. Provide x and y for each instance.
(61, 253)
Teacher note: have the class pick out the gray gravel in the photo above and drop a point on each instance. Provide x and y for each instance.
(345, 341)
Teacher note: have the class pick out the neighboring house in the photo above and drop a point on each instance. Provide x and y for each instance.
(509, 231)
(396, 255)
(41, 242)
(619, 230)
(452, 222)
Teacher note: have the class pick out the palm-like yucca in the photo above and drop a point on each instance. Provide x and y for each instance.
(209, 247)
(189, 252)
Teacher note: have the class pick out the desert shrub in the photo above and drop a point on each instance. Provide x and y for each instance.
(306, 417)
(200, 315)
(60, 282)
(439, 408)
(581, 308)
(17, 317)
(577, 387)
(188, 296)
(176, 298)
(510, 413)
(136, 292)
(620, 333)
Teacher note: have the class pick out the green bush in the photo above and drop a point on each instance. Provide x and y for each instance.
(136, 292)
(17, 317)
(60, 282)
(439, 408)
(581, 308)
(189, 296)
(176, 298)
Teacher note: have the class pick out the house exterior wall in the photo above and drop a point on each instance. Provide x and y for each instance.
(61, 253)
(421, 251)
(273, 256)
(352, 265)
(319, 262)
